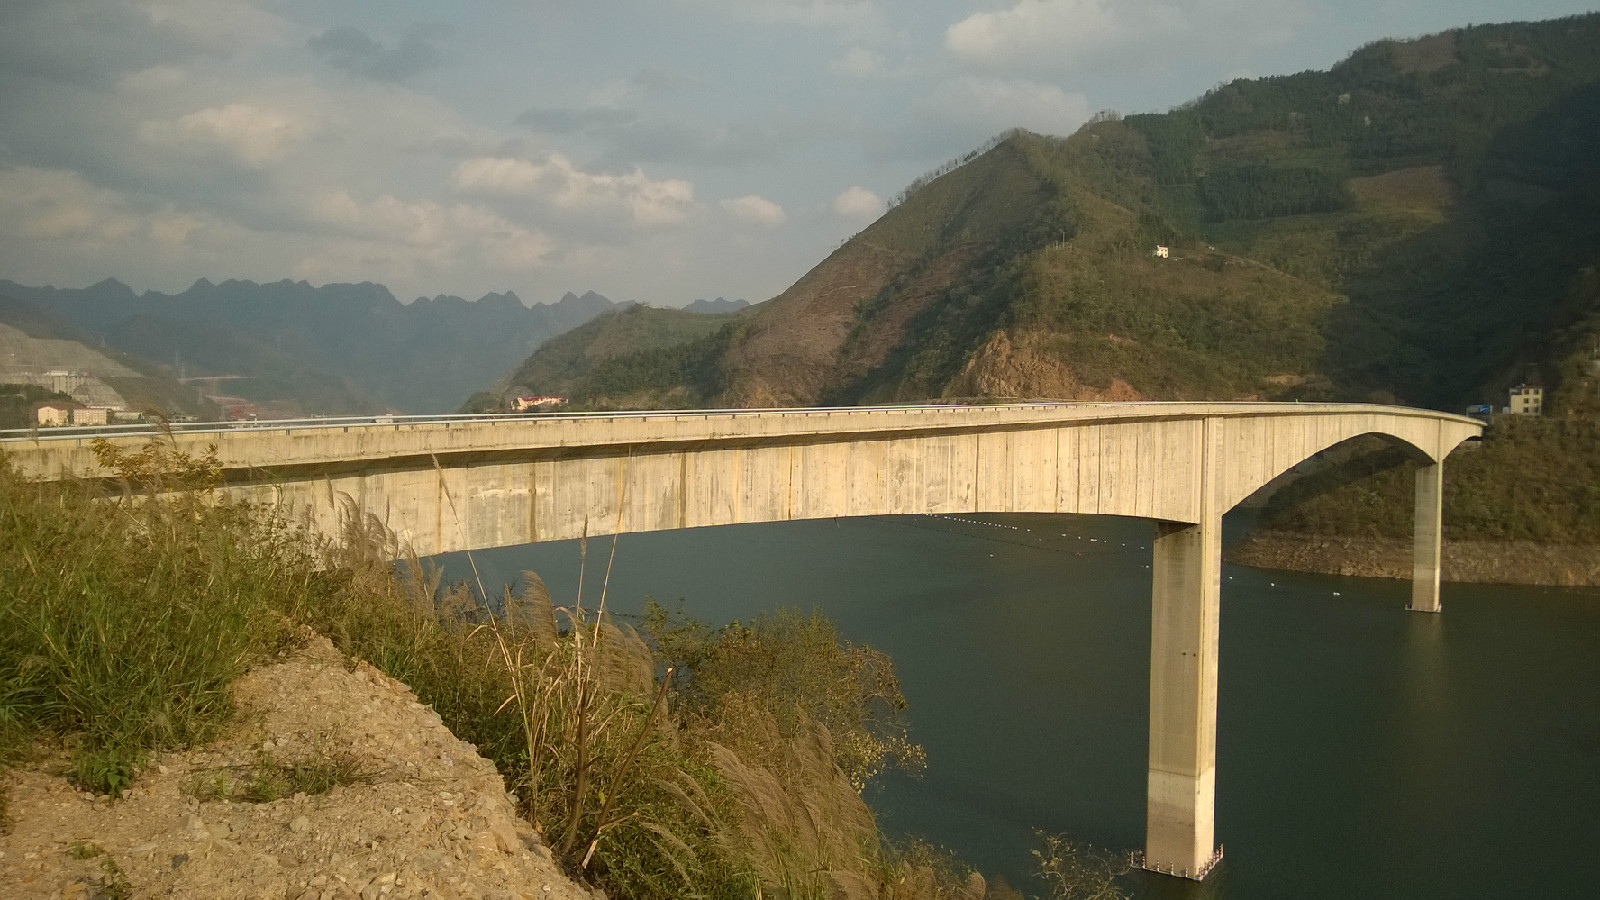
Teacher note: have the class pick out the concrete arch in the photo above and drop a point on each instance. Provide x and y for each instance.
(458, 484)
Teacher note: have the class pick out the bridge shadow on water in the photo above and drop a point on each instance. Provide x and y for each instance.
(1362, 750)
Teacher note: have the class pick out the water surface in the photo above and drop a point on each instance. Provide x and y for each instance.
(1363, 750)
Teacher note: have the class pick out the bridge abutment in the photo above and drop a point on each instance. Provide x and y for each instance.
(1185, 610)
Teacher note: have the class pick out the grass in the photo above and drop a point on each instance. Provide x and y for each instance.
(652, 772)
(122, 622)
(268, 779)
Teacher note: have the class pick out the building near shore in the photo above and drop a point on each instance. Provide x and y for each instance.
(1526, 400)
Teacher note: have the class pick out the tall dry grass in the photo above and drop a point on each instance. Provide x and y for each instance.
(720, 764)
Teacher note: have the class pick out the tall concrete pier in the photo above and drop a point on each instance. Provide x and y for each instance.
(445, 485)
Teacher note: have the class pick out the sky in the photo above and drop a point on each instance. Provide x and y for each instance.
(650, 150)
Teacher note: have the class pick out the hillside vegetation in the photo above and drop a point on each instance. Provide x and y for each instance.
(611, 360)
(1412, 225)
(1529, 479)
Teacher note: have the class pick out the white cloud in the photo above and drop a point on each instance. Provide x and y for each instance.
(444, 236)
(172, 230)
(857, 16)
(1036, 28)
(255, 135)
(1068, 34)
(56, 204)
(859, 62)
(755, 210)
(218, 26)
(51, 220)
(995, 104)
(857, 202)
(562, 184)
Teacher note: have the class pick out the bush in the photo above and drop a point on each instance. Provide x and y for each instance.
(795, 668)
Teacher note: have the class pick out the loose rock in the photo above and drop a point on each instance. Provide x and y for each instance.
(164, 841)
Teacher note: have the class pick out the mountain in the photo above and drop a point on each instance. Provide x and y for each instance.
(1414, 224)
(34, 342)
(339, 348)
(583, 364)
(716, 306)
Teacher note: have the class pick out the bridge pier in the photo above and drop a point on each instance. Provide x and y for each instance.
(1427, 538)
(1180, 822)
(1185, 612)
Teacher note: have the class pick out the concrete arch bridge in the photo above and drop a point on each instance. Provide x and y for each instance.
(459, 483)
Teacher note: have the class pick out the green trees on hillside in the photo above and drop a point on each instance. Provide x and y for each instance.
(1403, 226)
(18, 402)
(1259, 192)
(1175, 141)
(1530, 479)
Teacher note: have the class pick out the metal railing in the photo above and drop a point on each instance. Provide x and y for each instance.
(136, 429)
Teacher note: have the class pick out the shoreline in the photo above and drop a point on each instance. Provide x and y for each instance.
(1472, 562)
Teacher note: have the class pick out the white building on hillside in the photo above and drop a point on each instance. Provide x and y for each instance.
(1526, 400)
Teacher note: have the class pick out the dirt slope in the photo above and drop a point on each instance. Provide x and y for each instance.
(427, 817)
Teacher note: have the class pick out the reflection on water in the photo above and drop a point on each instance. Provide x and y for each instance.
(1363, 750)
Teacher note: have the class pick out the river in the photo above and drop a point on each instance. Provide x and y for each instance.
(1362, 751)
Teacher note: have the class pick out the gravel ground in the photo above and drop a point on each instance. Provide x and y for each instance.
(424, 816)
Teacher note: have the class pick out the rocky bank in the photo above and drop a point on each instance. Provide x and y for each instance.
(1480, 562)
(421, 814)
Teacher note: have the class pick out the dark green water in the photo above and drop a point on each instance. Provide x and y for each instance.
(1363, 751)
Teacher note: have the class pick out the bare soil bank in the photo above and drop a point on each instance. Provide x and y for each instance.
(1478, 562)
(428, 819)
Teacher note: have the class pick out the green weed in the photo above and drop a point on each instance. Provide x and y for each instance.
(269, 779)
(124, 620)
(113, 883)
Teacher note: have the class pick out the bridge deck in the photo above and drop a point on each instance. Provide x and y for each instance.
(463, 483)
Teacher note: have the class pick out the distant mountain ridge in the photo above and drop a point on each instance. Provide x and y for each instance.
(716, 307)
(34, 344)
(338, 348)
(1420, 223)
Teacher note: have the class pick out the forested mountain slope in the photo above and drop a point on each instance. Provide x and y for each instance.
(582, 363)
(1414, 224)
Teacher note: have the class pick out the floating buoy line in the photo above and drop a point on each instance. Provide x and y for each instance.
(1000, 532)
